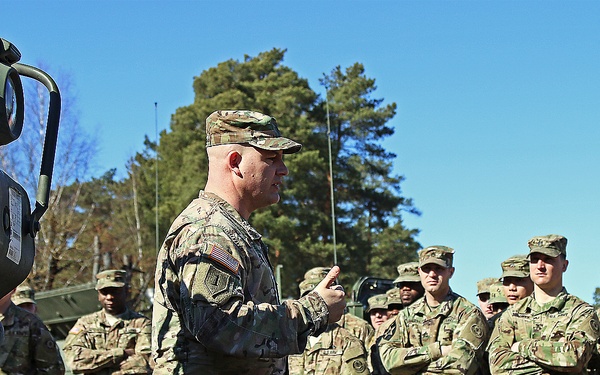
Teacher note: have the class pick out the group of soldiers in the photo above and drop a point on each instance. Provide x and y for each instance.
(216, 308)
(526, 323)
(114, 340)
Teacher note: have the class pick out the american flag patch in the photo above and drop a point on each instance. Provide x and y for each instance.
(223, 258)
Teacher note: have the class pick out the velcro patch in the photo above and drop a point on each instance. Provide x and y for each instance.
(223, 258)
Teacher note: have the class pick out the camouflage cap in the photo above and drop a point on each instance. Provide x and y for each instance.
(552, 245)
(378, 301)
(408, 272)
(254, 128)
(393, 297)
(497, 294)
(111, 278)
(441, 255)
(515, 266)
(306, 286)
(483, 285)
(317, 273)
(23, 294)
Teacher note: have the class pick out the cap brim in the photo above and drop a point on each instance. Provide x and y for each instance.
(514, 274)
(407, 279)
(439, 262)
(277, 144)
(370, 308)
(110, 285)
(23, 300)
(544, 250)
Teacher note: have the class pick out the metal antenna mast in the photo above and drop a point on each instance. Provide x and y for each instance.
(156, 175)
(331, 180)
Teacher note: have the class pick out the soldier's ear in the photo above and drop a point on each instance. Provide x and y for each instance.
(234, 158)
(565, 265)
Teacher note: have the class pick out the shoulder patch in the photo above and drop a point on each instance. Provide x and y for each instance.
(477, 331)
(75, 330)
(217, 254)
(359, 365)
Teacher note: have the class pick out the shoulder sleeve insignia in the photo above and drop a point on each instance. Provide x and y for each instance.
(476, 331)
(75, 330)
(359, 365)
(222, 257)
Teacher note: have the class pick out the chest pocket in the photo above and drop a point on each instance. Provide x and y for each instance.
(127, 337)
(97, 338)
(328, 360)
(15, 348)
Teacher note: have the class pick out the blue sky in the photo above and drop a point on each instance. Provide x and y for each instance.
(497, 130)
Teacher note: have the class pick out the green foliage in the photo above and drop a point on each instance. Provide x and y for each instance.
(106, 216)
(597, 298)
(298, 230)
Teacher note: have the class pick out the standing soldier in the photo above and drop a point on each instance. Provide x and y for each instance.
(114, 340)
(440, 333)
(28, 347)
(24, 297)
(515, 278)
(216, 308)
(357, 326)
(335, 351)
(550, 331)
(483, 296)
(409, 283)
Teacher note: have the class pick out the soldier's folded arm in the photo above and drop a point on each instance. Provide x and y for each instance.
(501, 357)
(471, 335)
(398, 358)
(82, 359)
(569, 354)
(214, 311)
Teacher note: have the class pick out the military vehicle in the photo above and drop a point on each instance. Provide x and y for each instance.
(363, 289)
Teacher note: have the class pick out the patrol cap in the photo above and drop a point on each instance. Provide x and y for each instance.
(552, 245)
(515, 266)
(378, 301)
(408, 272)
(23, 294)
(111, 278)
(306, 286)
(440, 255)
(497, 294)
(317, 273)
(242, 126)
(483, 285)
(393, 297)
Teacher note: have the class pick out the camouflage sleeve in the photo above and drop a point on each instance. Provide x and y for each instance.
(502, 359)
(569, 351)
(214, 310)
(397, 357)
(468, 341)
(354, 358)
(80, 356)
(139, 363)
(46, 355)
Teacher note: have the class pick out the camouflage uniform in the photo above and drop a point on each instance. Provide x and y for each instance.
(94, 346)
(552, 337)
(358, 327)
(337, 351)
(412, 342)
(28, 346)
(216, 308)
(557, 336)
